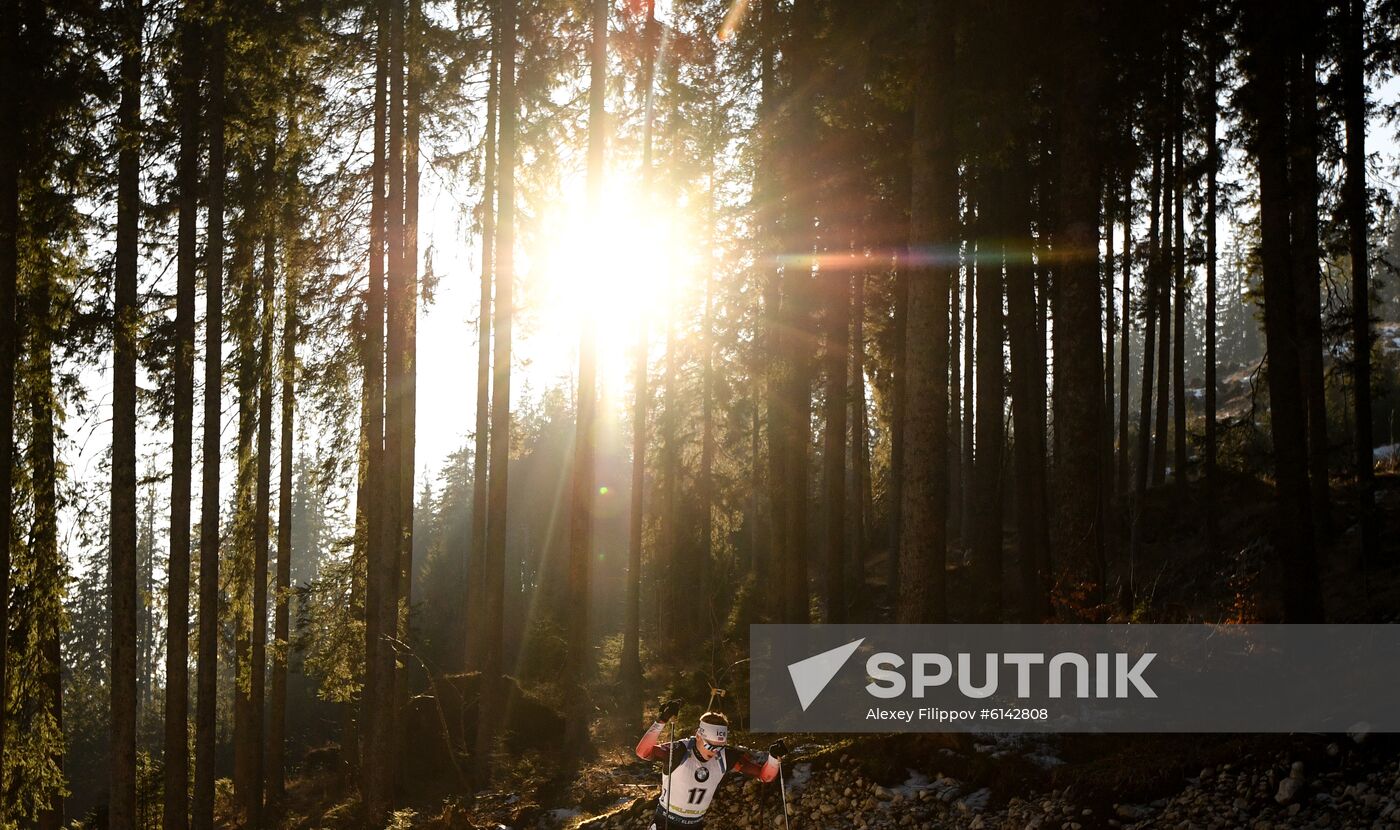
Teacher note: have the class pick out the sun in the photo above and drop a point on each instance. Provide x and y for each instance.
(617, 267)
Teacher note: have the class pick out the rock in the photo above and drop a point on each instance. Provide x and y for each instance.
(1288, 790)
(1359, 731)
(1132, 812)
(1296, 771)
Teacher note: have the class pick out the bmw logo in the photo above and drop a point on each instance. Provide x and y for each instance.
(702, 774)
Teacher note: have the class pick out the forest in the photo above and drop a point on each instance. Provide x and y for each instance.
(401, 400)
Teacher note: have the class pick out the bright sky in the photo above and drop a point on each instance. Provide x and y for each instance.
(608, 265)
(605, 267)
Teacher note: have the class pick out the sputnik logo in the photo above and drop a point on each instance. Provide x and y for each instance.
(811, 675)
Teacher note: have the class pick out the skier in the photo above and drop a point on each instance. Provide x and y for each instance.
(695, 766)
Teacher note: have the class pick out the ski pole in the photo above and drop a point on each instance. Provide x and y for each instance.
(762, 806)
(667, 770)
(782, 786)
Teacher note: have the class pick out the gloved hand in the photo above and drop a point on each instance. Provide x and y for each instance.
(779, 749)
(669, 709)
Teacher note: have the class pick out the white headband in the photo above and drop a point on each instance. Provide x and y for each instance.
(715, 733)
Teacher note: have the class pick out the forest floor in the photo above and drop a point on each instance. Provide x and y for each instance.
(979, 782)
(1013, 781)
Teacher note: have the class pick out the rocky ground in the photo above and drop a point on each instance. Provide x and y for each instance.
(1343, 784)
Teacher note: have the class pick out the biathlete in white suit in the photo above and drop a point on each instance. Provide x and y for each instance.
(695, 766)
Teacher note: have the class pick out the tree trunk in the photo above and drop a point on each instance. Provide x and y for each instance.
(386, 547)
(493, 663)
(1150, 277)
(409, 52)
(11, 149)
(1307, 279)
(276, 773)
(1166, 270)
(262, 515)
(1028, 445)
(1179, 463)
(1078, 398)
(354, 715)
(1126, 332)
(706, 482)
(1265, 34)
(481, 440)
(1110, 332)
(800, 342)
(987, 488)
(933, 224)
(676, 579)
(212, 451)
(378, 599)
(895, 488)
(49, 571)
(630, 666)
(413, 52)
(955, 443)
(579, 658)
(969, 339)
(177, 638)
(1212, 168)
(1357, 206)
(121, 810)
(837, 284)
(146, 610)
(860, 500)
(247, 743)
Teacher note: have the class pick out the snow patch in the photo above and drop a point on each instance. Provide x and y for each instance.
(801, 774)
(943, 788)
(1044, 759)
(976, 802)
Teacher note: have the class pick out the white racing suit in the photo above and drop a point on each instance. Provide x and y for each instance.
(688, 784)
